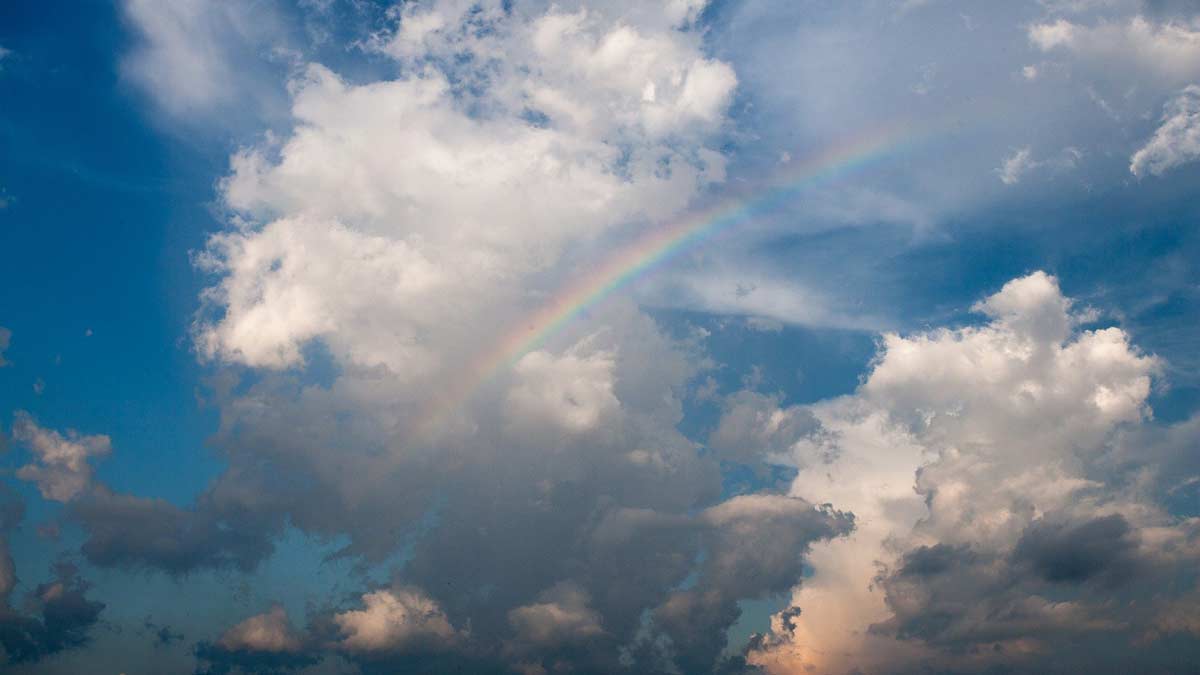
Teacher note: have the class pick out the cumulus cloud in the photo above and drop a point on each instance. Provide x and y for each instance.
(399, 620)
(977, 462)
(1177, 140)
(573, 393)
(554, 516)
(61, 467)
(268, 632)
(263, 643)
(126, 530)
(561, 616)
(406, 224)
(479, 202)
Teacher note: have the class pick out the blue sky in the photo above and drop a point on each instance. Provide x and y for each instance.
(935, 413)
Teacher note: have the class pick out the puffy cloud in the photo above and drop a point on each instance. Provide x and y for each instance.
(753, 428)
(405, 224)
(126, 530)
(268, 632)
(396, 620)
(978, 463)
(561, 616)
(758, 542)
(263, 643)
(61, 469)
(1177, 140)
(573, 393)
(571, 128)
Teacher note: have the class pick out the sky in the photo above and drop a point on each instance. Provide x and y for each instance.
(637, 336)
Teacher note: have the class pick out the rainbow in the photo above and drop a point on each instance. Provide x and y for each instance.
(652, 251)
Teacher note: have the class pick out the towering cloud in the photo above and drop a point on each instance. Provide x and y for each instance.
(553, 513)
(991, 528)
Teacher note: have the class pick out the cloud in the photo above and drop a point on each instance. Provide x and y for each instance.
(5, 337)
(416, 213)
(138, 533)
(61, 469)
(263, 643)
(1177, 140)
(1015, 166)
(268, 632)
(756, 295)
(409, 226)
(562, 616)
(1022, 162)
(196, 59)
(988, 519)
(405, 224)
(1077, 552)
(1168, 49)
(573, 393)
(398, 620)
(58, 615)
(126, 530)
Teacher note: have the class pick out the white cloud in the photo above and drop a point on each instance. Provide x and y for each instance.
(1177, 140)
(61, 469)
(1168, 50)
(1015, 166)
(754, 294)
(1022, 162)
(267, 632)
(395, 621)
(407, 223)
(572, 392)
(960, 437)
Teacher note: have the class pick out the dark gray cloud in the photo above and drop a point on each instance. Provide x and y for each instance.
(59, 617)
(217, 660)
(1076, 552)
(135, 532)
(1070, 595)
